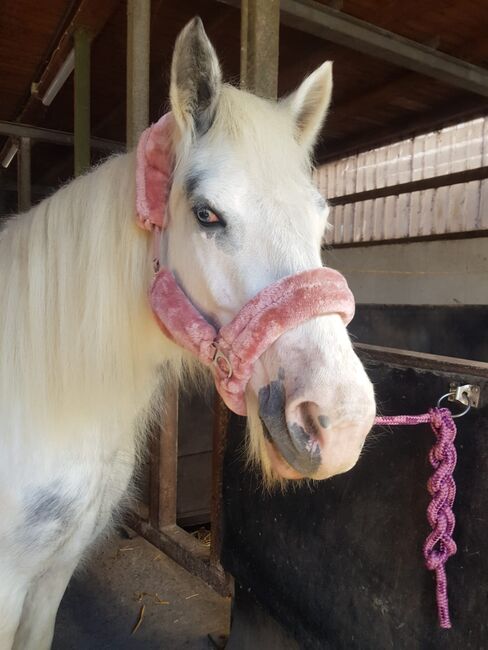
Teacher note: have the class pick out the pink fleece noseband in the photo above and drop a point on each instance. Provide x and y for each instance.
(232, 350)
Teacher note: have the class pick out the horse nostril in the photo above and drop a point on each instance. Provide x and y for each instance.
(309, 417)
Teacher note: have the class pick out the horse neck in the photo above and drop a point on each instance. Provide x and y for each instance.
(79, 340)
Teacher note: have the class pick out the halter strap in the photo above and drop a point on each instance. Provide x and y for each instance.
(154, 169)
(233, 350)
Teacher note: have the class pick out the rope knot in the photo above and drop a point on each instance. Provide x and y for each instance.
(439, 545)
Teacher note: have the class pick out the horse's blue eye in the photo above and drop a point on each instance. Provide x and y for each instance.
(206, 217)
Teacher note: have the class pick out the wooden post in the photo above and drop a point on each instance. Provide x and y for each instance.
(138, 56)
(168, 461)
(24, 174)
(220, 425)
(82, 100)
(260, 23)
(260, 31)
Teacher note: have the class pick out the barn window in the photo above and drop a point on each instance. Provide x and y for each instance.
(427, 186)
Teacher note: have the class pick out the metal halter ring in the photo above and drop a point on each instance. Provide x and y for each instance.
(219, 357)
(451, 394)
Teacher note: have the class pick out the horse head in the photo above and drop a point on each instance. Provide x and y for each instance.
(243, 213)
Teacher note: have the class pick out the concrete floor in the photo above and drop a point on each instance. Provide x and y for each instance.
(103, 602)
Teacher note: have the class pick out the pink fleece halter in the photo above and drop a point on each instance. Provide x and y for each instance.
(232, 351)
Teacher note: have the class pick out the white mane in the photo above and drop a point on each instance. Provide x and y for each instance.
(78, 335)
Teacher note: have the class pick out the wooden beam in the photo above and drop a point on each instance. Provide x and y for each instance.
(421, 360)
(185, 550)
(24, 174)
(90, 14)
(386, 92)
(260, 30)
(340, 28)
(433, 182)
(138, 55)
(82, 99)
(448, 236)
(39, 134)
(449, 113)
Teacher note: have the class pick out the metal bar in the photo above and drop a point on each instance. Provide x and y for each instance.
(220, 425)
(24, 174)
(343, 29)
(39, 134)
(82, 100)
(260, 30)
(10, 154)
(422, 361)
(443, 180)
(168, 460)
(336, 27)
(138, 59)
(59, 80)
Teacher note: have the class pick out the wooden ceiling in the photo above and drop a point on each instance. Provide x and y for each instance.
(374, 101)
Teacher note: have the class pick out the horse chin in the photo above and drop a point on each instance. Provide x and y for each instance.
(279, 465)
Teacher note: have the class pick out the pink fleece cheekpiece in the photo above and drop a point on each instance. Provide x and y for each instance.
(155, 162)
(231, 351)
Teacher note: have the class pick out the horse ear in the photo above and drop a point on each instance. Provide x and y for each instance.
(309, 104)
(196, 79)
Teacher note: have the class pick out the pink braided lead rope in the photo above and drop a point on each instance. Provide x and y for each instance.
(439, 545)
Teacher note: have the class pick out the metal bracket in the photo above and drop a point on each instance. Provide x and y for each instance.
(467, 394)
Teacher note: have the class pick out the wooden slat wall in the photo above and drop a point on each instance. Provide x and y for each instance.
(451, 209)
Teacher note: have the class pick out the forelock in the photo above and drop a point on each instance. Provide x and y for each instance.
(262, 130)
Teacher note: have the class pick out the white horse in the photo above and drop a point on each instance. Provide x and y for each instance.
(81, 351)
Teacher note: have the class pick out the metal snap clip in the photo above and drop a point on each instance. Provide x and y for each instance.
(219, 357)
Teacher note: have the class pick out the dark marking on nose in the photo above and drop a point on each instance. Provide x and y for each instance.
(294, 443)
(299, 436)
(324, 421)
(272, 408)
